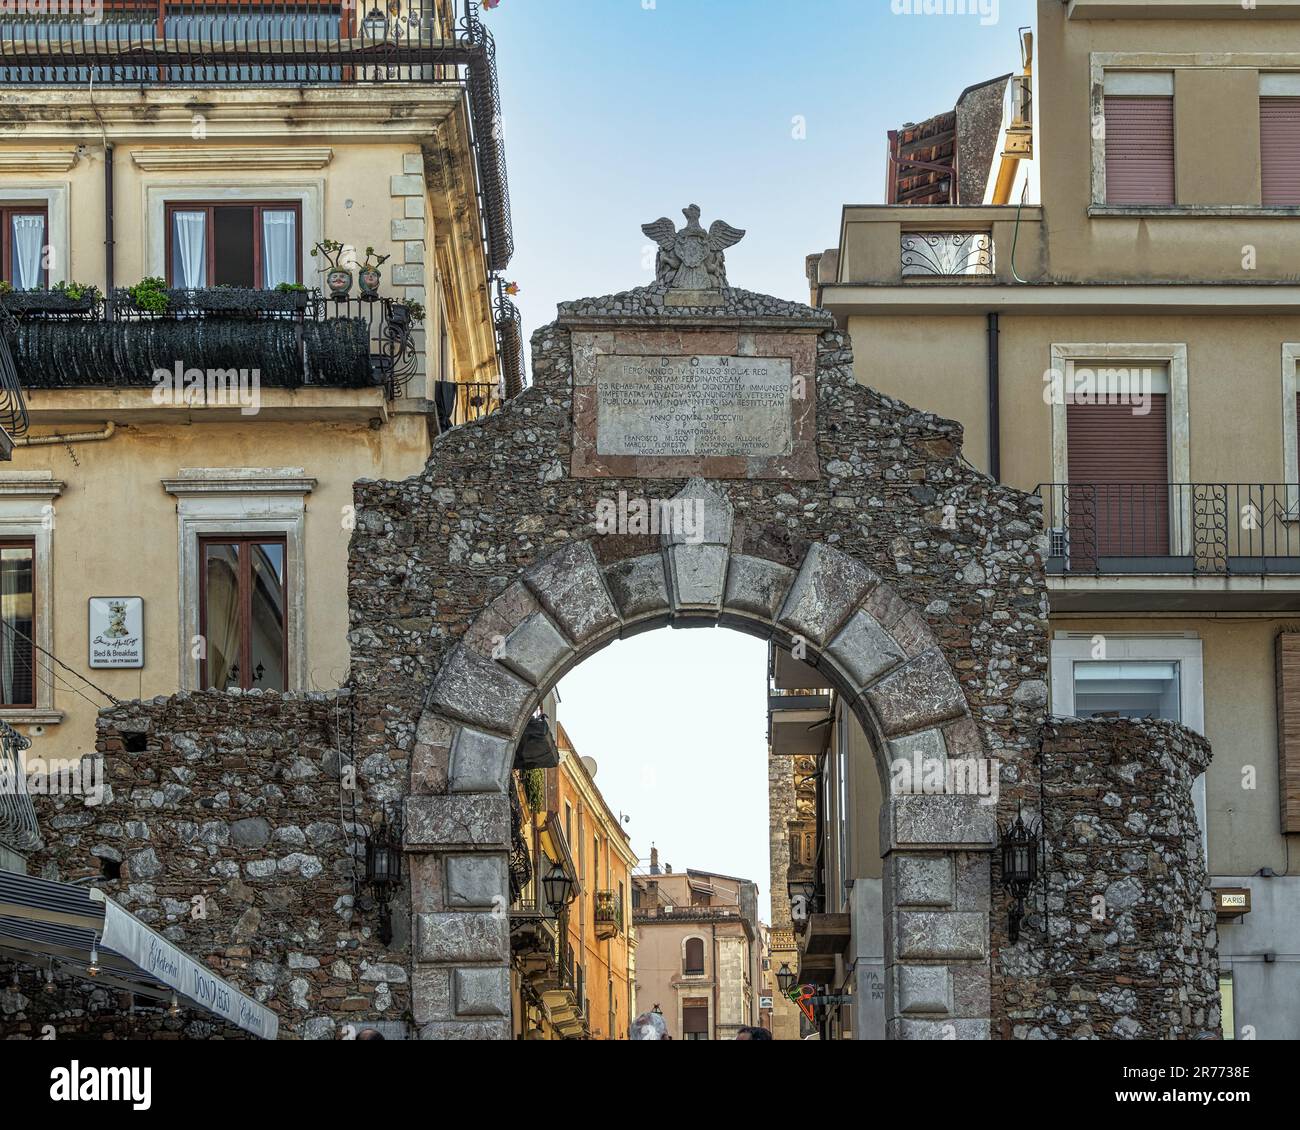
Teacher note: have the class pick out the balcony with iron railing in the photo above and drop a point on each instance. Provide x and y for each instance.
(292, 339)
(1240, 541)
(608, 910)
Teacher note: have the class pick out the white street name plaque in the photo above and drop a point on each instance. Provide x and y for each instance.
(715, 406)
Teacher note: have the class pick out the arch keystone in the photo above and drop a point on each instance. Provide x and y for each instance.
(695, 536)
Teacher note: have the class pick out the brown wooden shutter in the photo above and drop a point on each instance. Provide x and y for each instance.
(1288, 729)
(1279, 150)
(1139, 150)
(1118, 498)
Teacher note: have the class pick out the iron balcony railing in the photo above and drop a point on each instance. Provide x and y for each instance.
(19, 828)
(945, 254)
(290, 338)
(1247, 529)
(292, 43)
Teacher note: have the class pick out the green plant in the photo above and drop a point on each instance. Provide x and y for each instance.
(535, 789)
(415, 309)
(77, 291)
(150, 295)
(372, 261)
(6, 287)
(290, 288)
(331, 250)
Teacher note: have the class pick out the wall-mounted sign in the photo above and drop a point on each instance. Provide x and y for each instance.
(764, 1002)
(116, 631)
(1231, 902)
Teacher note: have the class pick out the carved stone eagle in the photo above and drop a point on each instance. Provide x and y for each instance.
(692, 258)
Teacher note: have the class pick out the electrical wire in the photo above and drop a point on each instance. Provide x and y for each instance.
(23, 635)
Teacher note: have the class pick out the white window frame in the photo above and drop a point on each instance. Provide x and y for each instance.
(1178, 410)
(54, 197)
(216, 501)
(308, 195)
(704, 945)
(27, 511)
(1183, 648)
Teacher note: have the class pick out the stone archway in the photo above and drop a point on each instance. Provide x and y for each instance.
(876, 649)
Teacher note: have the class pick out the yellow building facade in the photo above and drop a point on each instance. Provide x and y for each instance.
(217, 511)
(1112, 316)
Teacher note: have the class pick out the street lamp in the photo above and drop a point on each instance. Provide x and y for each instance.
(785, 978)
(1020, 845)
(557, 889)
(384, 871)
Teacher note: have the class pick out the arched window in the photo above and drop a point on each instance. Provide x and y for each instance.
(693, 961)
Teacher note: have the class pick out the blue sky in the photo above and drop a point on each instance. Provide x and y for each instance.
(617, 112)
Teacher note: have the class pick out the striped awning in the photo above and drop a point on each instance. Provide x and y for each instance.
(60, 924)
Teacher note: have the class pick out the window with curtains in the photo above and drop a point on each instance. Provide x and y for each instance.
(17, 623)
(242, 613)
(22, 247)
(236, 244)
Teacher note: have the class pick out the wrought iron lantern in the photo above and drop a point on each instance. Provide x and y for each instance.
(384, 871)
(375, 25)
(785, 977)
(1020, 847)
(557, 889)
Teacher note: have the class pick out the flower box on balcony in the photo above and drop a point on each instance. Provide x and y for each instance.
(220, 301)
(20, 302)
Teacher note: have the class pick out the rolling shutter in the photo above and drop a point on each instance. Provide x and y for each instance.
(1118, 499)
(1139, 150)
(1279, 150)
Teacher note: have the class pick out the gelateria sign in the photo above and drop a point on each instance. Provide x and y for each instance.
(116, 631)
(127, 935)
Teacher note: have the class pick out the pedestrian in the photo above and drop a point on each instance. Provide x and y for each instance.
(753, 1034)
(649, 1026)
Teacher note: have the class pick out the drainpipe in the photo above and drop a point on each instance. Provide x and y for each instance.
(995, 412)
(109, 242)
(70, 437)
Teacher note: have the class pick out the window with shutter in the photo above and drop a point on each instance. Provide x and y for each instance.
(1288, 729)
(1119, 496)
(1139, 149)
(1279, 151)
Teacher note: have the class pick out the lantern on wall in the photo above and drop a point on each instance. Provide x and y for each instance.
(1020, 847)
(557, 889)
(785, 977)
(384, 870)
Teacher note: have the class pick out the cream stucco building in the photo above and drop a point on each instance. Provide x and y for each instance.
(226, 507)
(1106, 298)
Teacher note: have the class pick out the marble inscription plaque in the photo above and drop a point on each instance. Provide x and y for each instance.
(694, 406)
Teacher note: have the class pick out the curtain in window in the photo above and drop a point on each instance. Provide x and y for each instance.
(16, 609)
(28, 244)
(221, 615)
(189, 249)
(279, 248)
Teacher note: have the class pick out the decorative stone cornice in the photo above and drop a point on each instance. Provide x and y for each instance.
(236, 114)
(244, 157)
(31, 485)
(240, 480)
(37, 161)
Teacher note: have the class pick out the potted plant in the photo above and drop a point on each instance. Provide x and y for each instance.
(338, 277)
(149, 295)
(370, 276)
(401, 312)
(61, 298)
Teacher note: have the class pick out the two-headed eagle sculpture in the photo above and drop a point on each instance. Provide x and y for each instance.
(692, 259)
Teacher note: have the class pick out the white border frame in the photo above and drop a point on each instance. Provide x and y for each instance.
(241, 502)
(310, 195)
(27, 511)
(1068, 648)
(54, 195)
(1173, 354)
